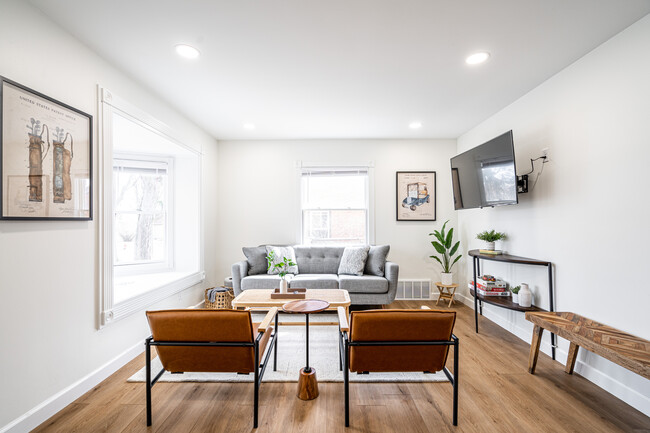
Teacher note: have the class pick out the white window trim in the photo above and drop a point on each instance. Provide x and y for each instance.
(110, 312)
(366, 165)
(168, 263)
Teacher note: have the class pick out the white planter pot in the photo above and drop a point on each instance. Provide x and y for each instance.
(525, 296)
(447, 278)
(284, 286)
(489, 246)
(515, 298)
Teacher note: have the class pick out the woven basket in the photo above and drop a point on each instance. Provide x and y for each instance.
(222, 301)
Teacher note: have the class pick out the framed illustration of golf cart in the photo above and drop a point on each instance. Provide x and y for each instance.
(416, 196)
(45, 157)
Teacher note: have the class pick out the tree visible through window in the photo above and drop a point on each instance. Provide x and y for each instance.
(334, 206)
(140, 211)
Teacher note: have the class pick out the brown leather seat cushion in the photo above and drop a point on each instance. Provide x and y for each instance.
(400, 325)
(206, 326)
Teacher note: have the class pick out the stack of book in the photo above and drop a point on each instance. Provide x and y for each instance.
(491, 252)
(490, 286)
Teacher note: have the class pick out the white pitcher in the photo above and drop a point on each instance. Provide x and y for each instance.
(525, 296)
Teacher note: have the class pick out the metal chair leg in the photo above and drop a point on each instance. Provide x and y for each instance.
(148, 378)
(257, 383)
(346, 384)
(455, 416)
(275, 346)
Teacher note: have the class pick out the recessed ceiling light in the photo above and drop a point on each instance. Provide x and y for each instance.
(477, 58)
(249, 126)
(187, 51)
(415, 125)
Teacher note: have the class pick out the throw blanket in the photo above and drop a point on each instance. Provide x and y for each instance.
(212, 293)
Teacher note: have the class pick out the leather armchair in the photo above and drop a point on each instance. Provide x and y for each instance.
(201, 340)
(397, 340)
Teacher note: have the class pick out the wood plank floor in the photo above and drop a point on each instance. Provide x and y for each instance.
(496, 395)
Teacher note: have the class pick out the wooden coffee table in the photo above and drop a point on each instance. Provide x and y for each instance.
(307, 384)
(260, 299)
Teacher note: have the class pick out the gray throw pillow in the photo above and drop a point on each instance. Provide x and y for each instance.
(376, 263)
(280, 253)
(256, 257)
(353, 260)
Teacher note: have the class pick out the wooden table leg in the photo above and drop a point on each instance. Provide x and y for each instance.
(534, 348)
(439, 296)
(451, 298)
(571, 359)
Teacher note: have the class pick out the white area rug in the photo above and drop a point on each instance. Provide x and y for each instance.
(323, 356)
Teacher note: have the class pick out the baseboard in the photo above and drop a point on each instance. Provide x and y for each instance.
(42, 412)
(620, 390)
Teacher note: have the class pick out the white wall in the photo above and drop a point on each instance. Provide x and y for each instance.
(589, 212)
(48, 269)
(259, 194)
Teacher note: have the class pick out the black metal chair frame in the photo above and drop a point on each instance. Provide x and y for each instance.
(259, 370)
(344, 364)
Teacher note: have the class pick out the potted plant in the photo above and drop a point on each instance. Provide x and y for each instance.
(282, 266)
(444, 247)
(490, 237)
(515, 294)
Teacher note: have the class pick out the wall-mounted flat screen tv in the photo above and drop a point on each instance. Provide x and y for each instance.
(485, 176)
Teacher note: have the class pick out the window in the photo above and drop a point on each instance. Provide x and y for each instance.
(335, 205)
(151, 211)
(141, 214)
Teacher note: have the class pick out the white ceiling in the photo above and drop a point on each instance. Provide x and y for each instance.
(342, 68)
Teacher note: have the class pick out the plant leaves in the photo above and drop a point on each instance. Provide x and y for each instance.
(454, 249)
(436, 257)
(440, 248)
(448, 240)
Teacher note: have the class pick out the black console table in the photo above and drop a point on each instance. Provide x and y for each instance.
(506, 302)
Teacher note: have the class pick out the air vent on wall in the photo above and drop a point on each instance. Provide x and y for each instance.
(414, 289)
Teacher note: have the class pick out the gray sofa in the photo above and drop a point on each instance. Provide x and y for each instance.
(318, 267)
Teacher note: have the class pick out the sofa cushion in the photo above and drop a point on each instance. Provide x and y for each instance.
(280, 253)
(376, 262)
(257, 263)
(363, 284)
(315, 281)
(353, 260)
(263, 281)
(318, 260)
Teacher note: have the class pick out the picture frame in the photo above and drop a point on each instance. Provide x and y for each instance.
(415, 196)
(45, 157)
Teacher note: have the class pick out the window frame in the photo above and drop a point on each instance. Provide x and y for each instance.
(160, 285)
(367, 166)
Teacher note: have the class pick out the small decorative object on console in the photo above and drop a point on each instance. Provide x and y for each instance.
(525, 296)
(490, 237)
(515, 294)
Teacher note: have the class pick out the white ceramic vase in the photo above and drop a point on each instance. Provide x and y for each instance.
(284, 285)
(525, 296)
(515, 298)
(489, 246)
(447, 278)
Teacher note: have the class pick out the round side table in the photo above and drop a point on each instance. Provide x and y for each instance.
(307, 384)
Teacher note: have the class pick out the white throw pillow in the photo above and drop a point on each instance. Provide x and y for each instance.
(353, 261)
(279, 254)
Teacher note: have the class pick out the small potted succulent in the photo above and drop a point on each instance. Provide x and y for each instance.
(490, 237)
(282, 266)
(446, 249)
(515, 294)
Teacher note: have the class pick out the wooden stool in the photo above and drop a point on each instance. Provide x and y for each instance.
(446, 292)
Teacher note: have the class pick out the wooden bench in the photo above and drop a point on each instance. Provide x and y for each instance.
(619, 347)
